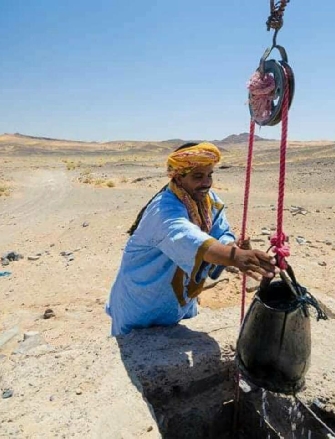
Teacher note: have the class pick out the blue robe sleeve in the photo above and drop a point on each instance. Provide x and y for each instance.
(181, 241)
(166, 226)
(222, 232)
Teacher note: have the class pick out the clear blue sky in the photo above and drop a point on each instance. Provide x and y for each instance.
(157, 69)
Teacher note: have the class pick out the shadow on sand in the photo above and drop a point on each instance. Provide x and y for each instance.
(184, 376)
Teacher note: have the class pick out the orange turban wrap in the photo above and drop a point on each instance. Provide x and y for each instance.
(184, 160)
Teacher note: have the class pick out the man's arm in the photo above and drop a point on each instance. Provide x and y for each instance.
(251, 262)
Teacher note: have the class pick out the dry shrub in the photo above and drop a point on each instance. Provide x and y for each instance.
(71, 165)
(87, 179)
(86, 171)
(99, 181)
(4, 190)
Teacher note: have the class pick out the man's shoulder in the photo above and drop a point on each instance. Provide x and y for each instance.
(215, 198)
(165, 197)
(166, 202)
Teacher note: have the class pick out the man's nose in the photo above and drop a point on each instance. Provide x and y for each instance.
(207, 182)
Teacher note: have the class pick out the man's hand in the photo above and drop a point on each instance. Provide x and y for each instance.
(254, 263)
(244, 243)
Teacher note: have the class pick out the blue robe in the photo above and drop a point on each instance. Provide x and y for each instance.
(162, 269)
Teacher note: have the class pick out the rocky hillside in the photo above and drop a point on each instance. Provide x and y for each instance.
(13, 144)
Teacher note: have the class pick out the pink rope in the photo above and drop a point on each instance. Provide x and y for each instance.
(262, 90)
(278, 240)
(280, 248)
(243, 234)
(246, 206)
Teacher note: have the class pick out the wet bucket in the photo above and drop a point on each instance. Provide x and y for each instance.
(274, 344)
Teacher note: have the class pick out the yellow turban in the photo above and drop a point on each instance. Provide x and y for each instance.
(184, 160)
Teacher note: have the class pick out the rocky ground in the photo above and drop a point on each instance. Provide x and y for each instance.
(63, 222)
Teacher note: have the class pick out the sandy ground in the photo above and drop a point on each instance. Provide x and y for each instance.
(67, 214)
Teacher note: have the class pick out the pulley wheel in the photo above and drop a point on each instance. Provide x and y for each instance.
(280, 70)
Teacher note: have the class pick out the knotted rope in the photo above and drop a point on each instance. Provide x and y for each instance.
(280, 249)
(275, 20)
(261, 94)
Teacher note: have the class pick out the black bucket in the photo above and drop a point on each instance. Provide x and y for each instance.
(274, 344)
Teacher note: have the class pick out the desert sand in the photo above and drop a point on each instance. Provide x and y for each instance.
(66, 207)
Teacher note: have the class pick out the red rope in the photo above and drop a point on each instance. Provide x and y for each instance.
(246, 205)
(243, 234)
(278, 240)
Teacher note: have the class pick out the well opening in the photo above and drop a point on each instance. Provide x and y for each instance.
(206, 409)
(188, 379)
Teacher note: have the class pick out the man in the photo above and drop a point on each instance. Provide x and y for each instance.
(179, 238)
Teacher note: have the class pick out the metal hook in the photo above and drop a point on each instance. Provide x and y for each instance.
(267, 52)
(274, 39)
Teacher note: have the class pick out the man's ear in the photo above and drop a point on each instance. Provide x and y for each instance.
(178, 180)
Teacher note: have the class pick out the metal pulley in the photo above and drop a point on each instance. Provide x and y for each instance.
(283, 76)
(266, 106)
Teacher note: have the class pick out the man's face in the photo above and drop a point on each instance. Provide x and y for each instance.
(197, 182)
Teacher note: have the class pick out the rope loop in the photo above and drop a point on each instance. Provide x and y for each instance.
(280, 247)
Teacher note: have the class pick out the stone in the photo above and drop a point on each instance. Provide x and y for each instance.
(7, 393)
(297, 210)
(31, 339)
(301, 240)
(48, 313)
(6, 336)
(30, 334)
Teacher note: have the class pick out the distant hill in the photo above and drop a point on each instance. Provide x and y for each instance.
(25, 136)
(179, 141)
(241, 138)
(17, 143)
(233, 138)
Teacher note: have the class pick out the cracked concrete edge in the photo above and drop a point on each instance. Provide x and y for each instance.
(125, 413)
